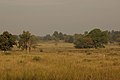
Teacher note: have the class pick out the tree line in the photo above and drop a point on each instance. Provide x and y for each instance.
(96, 38)
(23, 41)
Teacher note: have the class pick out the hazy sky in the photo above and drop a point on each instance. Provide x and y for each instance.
(68, 16)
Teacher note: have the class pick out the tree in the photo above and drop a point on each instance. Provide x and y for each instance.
(79, 42)
(94, 39)
(77, 36)
(7, 41)
(99, 37)
(104, 37)
(61, 36)
(47, 37)
(83, 42)
(33, 41)
(55, 35)
(26, 41)
(114, 36)
(69, 38)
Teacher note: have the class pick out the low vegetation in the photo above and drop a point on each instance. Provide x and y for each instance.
(59, 57)
(66, 63)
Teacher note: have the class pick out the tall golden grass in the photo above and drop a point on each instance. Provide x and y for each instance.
(61, 62)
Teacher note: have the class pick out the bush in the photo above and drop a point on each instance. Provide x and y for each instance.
(83, 42)
(36, 58)
(95, 39)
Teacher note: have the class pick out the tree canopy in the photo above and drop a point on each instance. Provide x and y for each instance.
(95, 38)
(27, 40)
(7, 41)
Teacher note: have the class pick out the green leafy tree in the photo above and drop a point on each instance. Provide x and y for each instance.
(61, 36)
(27, 40)
(24, 40)
(69, 39)
(47, 37)
(7, 41)
(79, 42)
(33, 42)
(77, 36)
(55, 37)
(99, 37)
(94, 39)
(83, 42)
(114, 36)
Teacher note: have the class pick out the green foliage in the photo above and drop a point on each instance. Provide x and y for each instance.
(61, 36)
(99, 37)
(69, 39)
(114, 36)
(24, 39)
(33, 40)
(79, 43)
(95, 38)
(27, 40)
(7, 41)
(77, 36)
(55, 35)
(58, 36)
(47, 37)
(83, 42)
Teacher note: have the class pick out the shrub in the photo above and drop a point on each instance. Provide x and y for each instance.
(83, 42)
(95, 39)
(36, 58)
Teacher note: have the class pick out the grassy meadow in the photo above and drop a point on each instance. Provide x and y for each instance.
(61, 62)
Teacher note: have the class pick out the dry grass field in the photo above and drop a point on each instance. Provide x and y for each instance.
(61, 62)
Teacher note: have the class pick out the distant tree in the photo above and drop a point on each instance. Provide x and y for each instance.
(7, 41)
(55, 35)
(33, 42)
(83, 42)
(105, 37)
(99, 37)
(94, 39)
(16, 37)
(24, 40)
(27, 40)
(39, 38)
(88, 42)
(47, 37)
(79, 42)
(61, 36)
(114, 36)
(77, 36)
(69, 39)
